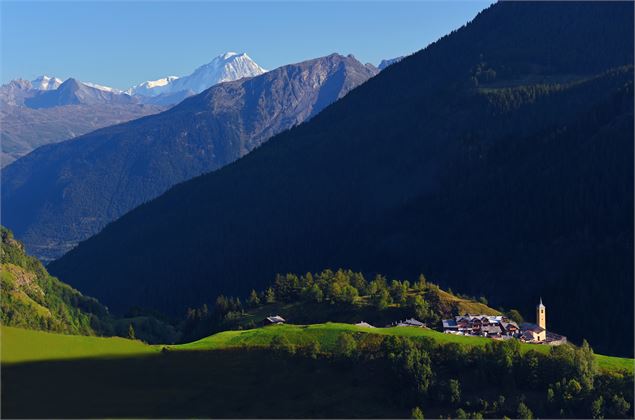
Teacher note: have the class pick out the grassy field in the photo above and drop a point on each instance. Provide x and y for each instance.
(326, 335)
(20, 345)
(615, 363)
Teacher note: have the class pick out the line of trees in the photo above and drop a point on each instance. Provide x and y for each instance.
(460, 381)
(343, 288)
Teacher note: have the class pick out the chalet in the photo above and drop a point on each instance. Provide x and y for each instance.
(494, 330)
(509, 327)
(277, 319)
(410, 323)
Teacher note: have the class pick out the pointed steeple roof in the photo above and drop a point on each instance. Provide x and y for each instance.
(540, 305)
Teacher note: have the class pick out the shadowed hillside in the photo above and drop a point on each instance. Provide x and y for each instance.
(498, 160)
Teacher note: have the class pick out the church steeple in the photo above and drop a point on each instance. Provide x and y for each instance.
(541, 315)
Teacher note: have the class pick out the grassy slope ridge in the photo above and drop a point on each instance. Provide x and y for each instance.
(31, 298)
(21, 346)
(327, 334)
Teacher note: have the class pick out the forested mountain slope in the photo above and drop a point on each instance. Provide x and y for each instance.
(64, 193)
(497, 160)
(31, 298)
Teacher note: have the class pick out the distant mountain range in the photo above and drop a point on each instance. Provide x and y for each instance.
(47, 110)
(61, 194)
(73, 92)
(498, 160)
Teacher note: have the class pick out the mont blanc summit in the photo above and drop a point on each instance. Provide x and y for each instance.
(226, 67)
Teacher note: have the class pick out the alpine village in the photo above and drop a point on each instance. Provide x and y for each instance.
(302, 233)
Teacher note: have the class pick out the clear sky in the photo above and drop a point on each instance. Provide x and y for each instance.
(120, 43)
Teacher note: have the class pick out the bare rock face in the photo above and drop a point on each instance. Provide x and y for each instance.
(63, 193)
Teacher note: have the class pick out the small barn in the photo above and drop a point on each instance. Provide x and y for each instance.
(271, 320)
(411, 323)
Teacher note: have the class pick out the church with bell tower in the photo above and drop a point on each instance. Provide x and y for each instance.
(541, 315)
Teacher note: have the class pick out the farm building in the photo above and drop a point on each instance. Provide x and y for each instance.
(276, 319)
(411, 322)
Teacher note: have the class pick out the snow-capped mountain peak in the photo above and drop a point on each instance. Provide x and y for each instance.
(226, 67)
(45, 82)
(228, 55)
(169, 90)
(152, 87)
(161, 82)
(102, 87)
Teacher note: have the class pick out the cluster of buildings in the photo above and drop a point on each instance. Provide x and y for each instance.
(492, 326)
(501, 327)
(483, 325)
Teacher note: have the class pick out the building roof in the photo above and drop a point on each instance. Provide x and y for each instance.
(411, 323)
(471, 317)
(275, 319)
(491, 329)
(528, 335)
(531, 327)
(551, 336)
(506, 325)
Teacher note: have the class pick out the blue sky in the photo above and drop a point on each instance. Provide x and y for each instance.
(120, 43)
